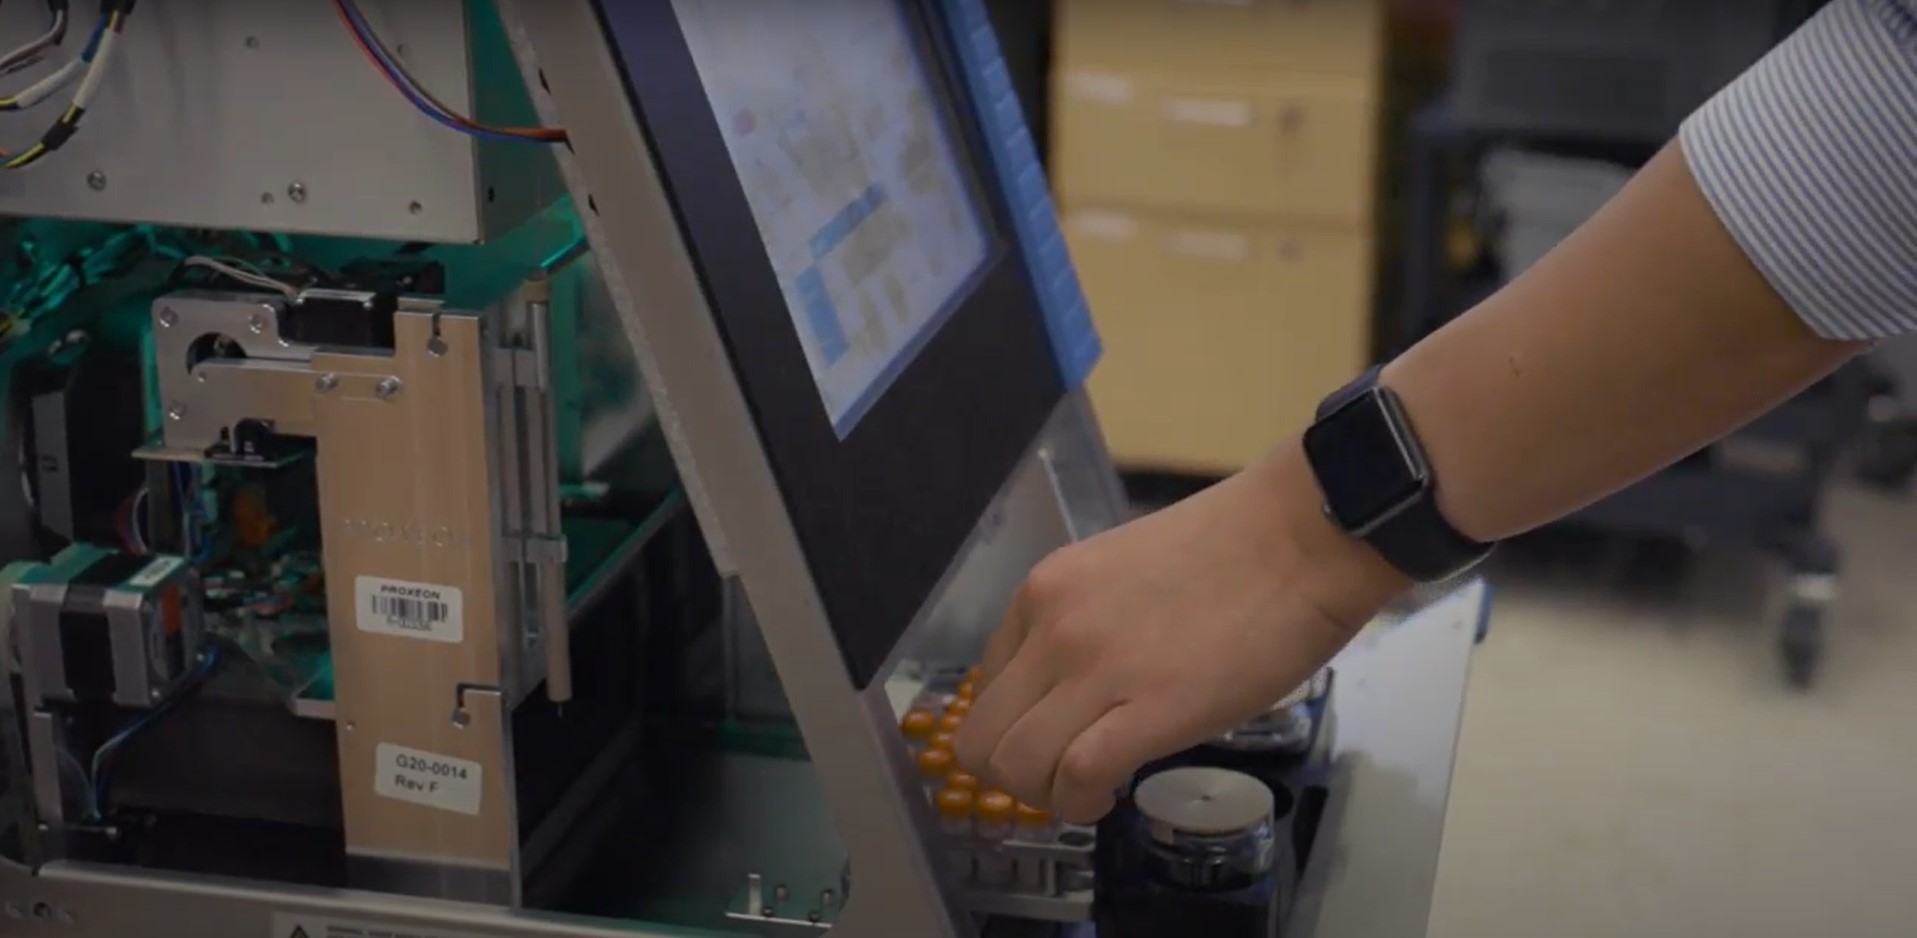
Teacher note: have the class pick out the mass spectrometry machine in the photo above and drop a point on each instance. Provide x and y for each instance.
(543, 469)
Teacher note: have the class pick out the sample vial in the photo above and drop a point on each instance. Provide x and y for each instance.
(918, 727)
(974, 675)
(967, 690)
(962, 780)
(934, 765)
(1034, 874)
(996, 813)
(960, 707)
(942, 740)
(956, 806)
(951, 722)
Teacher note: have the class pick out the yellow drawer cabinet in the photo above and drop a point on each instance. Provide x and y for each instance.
(1301, 146)
(1220, 336)
(1235, 38)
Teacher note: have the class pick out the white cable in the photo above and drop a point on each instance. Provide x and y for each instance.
(44, 88)
(34, 51)
(96, 71)
(259, 280)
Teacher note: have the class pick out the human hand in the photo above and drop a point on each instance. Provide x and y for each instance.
(1165, 632)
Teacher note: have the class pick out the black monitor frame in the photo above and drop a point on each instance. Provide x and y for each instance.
(883, 513)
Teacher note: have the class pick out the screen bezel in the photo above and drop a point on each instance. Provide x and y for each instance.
(882, 512)
(1367, 424)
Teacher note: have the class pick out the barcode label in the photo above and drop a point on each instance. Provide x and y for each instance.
(418, 612)
(410, 610)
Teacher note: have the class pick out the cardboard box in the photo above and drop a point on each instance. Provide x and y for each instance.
(1235, 39)
(1299, 146)
(1220, 336)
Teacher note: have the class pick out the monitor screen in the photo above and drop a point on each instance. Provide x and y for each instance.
(868, 214)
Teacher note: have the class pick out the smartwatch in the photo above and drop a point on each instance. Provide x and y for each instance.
(1378, 485)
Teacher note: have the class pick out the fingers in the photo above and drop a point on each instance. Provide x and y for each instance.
(1027, 757)
(1105, 755)
(1020, 686)
(1005, 642)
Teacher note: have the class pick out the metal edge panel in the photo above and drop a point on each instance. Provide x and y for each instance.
(1399, 705)
(703, 411)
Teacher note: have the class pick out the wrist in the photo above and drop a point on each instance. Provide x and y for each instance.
(1340, 575)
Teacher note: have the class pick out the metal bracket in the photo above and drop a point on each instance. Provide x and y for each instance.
(781, 911)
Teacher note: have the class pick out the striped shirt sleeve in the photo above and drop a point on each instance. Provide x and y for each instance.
(1810, 160)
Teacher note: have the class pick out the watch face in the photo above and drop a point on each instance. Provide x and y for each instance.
(1364, 467)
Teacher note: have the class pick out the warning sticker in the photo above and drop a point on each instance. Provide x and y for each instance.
(293, 925)
(409, 610)
(424, 778)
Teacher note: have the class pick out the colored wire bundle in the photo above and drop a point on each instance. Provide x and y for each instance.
(94, 59)
(247, 274)
(402, 81)
(34, 51)
(100, 773)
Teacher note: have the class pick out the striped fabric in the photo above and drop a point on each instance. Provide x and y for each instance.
(1810, 159)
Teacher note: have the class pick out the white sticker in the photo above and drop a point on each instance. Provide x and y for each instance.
(1215, 245)
(1211, 113)
(409, 610)
(1100, 86)
(426, 779)
(155, 573)
(1111, 226)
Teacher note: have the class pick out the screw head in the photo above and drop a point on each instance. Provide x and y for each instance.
(386, 389)
(154, 694)
(266, 198)
(326, 383)
(168, 318)
(296, 191)
(415, 208)
(256, 323)
(176, 412)
(96, 180)
(781, 892)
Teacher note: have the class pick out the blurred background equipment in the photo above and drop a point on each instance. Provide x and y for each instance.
(1218, 181)
(1513, 160)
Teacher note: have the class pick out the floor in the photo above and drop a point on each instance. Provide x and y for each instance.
(1632, 763)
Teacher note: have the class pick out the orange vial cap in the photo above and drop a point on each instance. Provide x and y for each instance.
(955, 803)
(943, 740)
(974, 675)
(968, 690)
(962, 780)
(951, 722)
(1029, 816)
(959, 707)
(996, 807)
(936, 763)
(919, 725)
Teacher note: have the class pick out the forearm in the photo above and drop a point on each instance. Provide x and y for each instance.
(1640, 339)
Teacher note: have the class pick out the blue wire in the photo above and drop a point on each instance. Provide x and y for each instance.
(397, 76)
(102, 772)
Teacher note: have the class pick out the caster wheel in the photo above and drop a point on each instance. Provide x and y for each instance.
(1887, 456)
(1801, 645)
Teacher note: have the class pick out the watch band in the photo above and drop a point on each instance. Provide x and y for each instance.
(1419, 541)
